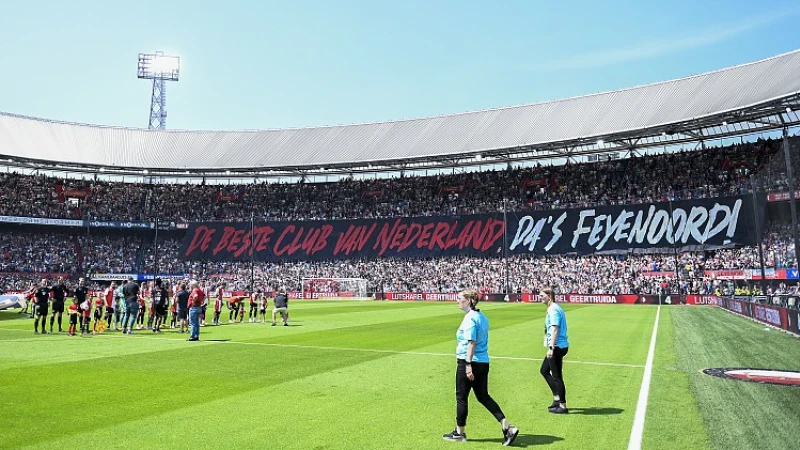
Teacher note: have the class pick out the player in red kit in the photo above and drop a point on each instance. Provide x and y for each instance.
(218, 301)
(99, 302)
(73, 316)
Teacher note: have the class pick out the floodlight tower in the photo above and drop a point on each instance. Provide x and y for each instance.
(160, 68)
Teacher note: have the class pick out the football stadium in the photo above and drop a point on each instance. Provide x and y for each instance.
(634, 251)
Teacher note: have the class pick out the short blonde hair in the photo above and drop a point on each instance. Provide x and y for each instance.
(471, 295)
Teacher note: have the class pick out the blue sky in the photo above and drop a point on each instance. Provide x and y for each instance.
(255, 65)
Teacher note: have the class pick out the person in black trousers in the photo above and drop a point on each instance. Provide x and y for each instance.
(472, 369)
(557, 343)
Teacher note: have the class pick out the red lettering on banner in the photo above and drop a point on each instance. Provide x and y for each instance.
(465, 236)
(202, 239)
(279, 252)
(322, 239)
(385, 237)
(364, 236)
(398, 235)
(440, 232)
(246, 240)
(263, 241)
(414, 230)
(223, 242)
(296, 242)
(425, 235)
(235, 239)
(477, 235)
(450, 240)
(346, 240)
(500, 228)
(316, 239)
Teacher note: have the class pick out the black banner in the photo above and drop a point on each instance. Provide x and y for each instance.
(699, 223)
(408, 237)
(688, 224)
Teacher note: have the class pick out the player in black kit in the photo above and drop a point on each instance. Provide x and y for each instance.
(60, 293)
(41, 296)
(81, 292)
(160, 304)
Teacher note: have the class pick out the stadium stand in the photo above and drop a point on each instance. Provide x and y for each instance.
(714, 171)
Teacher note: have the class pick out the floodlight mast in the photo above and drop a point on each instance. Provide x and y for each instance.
(160, 68)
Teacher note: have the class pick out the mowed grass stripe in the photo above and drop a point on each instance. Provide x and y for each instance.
(738, 415)
(146, 384)
(372, 350)
(673, 417)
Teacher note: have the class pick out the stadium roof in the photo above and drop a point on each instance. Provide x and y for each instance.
(749, 98)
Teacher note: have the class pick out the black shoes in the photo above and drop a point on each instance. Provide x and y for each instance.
(558, 410)
(509, 435)
(193, 339)
(455, 436)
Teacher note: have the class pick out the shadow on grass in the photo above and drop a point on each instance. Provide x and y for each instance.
(13, 314)
(596, 411)
(526, 440)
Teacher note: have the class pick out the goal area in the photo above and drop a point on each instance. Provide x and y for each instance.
(335, 288)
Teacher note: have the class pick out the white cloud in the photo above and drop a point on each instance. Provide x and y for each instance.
(652, 49)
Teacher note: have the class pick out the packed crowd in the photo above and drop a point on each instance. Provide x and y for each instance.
(710, 172)
(34, 252)
(690, 174)
(25, 255)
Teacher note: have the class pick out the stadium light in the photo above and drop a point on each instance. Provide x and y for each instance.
(724, 123)
(600, 142)
(788, 110)
(160, 68)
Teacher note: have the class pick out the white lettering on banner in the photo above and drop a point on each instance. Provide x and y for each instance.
(439, 297)
(407, 296)
(112, 276)
(650, 226)
(556, 232)
(580, 229)
(768, 315)
(587, 299)
(736, 306)
(42, 221)
(705, 300)
(617, 229)
(594, 236)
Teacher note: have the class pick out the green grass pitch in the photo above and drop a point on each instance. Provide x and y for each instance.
(358, 375)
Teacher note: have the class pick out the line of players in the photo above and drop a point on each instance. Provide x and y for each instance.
(112, 302)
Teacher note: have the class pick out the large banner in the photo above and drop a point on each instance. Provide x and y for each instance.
(409, 237)
(701, 223)
(688, 224)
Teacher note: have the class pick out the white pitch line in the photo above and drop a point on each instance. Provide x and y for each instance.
(641, 406)
(351, 349)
